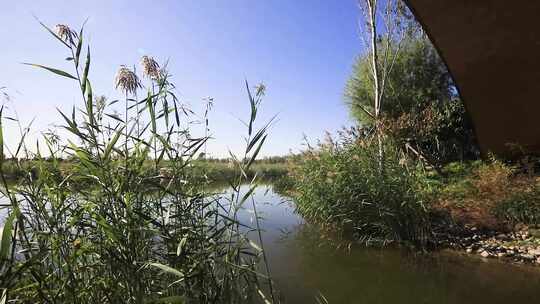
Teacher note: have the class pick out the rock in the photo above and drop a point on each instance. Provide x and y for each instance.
(528, 257)
(469, 250)
(484, 254)
(535, 251)
(503, 237)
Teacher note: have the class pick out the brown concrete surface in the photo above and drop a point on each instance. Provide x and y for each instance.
(492, 49)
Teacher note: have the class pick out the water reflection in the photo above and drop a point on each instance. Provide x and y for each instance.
(302, 265)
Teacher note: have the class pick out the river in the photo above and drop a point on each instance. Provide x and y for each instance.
(304, 265)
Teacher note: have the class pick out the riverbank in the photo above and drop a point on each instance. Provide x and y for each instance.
(520, 246)
(491, 210)
(310, 263)
(487, 208)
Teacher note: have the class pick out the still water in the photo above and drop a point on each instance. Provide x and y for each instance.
(303, 265)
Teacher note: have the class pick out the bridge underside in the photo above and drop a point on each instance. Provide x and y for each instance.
(492, 49)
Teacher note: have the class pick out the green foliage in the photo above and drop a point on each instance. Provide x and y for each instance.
(488, 194)
(456, 181)
(441, 131)
(223, 171)
(475, 181)
(199, 169)
(418, 78)
(343, 184)
(107, 226)
(521, 207)
(420, 104)
(283, 185)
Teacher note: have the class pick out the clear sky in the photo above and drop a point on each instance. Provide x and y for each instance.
(302, 51)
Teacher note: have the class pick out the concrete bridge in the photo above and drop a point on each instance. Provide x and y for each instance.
(492, 49)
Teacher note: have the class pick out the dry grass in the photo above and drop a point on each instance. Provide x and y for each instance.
(471, 197)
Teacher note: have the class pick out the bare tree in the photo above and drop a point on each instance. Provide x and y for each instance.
(382, 30)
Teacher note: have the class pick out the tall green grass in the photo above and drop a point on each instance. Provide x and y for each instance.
(340, 182)
(114, 229)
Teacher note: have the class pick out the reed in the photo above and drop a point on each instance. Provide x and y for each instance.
(340, 183)
(115, 228)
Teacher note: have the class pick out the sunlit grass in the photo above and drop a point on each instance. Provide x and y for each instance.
(109, 226)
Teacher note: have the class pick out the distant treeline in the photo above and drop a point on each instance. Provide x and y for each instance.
(212, 169)
(266, 160)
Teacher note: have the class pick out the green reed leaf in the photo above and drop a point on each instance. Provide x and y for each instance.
(255, 246)
(151, 110)
(255, 139)
(181, 245)
(111, 144)
(3, 299)
(253, 109)
(79, 47)
(115, 117)
(6, 235)
(254, 156)
(170, 300)
(21, 141)
(247, 195)
(167, 269)
(85, 71)
(90, 105)
(53, 70)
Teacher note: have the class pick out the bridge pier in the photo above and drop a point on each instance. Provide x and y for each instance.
(492, 49)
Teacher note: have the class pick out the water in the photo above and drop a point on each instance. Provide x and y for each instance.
(303, 265)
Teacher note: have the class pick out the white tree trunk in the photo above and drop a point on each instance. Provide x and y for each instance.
(372, 20)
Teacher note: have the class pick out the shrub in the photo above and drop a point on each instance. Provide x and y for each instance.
(493, 178)
(343, 184)
(421, 104)
(485, 194)
(520, 207)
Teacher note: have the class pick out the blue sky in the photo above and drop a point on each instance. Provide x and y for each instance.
(302, 51)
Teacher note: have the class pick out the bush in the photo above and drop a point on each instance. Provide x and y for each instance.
(521, 207)
(344, 185)
(442, 131)
(485, 194)
(421, 105)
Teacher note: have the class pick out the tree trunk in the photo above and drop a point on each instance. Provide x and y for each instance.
(372, 11)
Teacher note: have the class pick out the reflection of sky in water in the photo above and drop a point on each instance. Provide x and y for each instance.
(302, 265)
